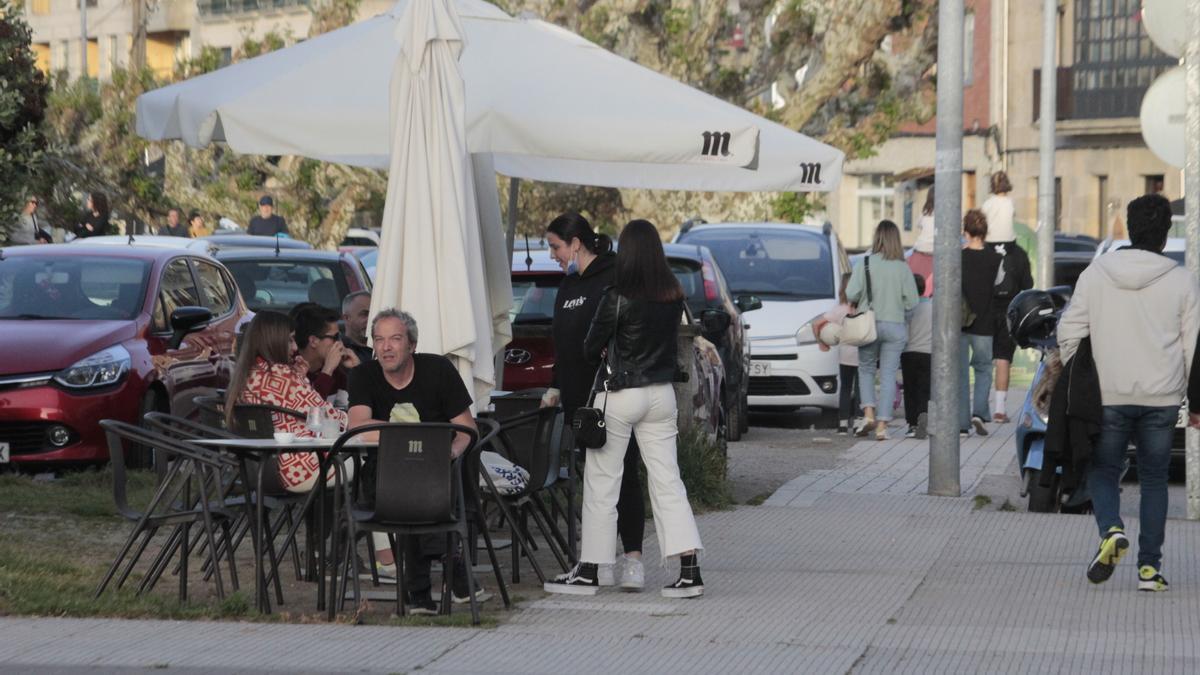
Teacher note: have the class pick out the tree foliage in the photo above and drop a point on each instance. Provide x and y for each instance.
(23, 92)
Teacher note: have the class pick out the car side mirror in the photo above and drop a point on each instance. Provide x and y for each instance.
(714, 321)
(748, 303)
(186, 320)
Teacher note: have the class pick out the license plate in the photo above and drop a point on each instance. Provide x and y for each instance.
(4, 453)
(760, 368)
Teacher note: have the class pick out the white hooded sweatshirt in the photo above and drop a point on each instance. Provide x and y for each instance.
(1142, 311)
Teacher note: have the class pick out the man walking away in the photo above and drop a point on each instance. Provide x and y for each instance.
(1142, 313)
(267, 223)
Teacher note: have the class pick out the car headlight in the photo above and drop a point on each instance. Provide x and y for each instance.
(103, 368)
(806, 336)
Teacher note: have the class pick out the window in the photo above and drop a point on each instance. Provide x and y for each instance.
(279, 285)
(72, 288)
(218, 296)
(39, 7)
(226, 56)
(533, 299)
(969, 49)
(780, 263)
(177, 290)
(876, 202)
(1115, 61)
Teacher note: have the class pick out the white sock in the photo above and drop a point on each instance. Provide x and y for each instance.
(843, 423)
(1001, 401)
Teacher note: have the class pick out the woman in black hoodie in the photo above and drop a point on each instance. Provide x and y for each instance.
(590, 264)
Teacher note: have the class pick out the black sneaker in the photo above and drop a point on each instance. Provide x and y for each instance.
(1112, 547)
(688, 585)
(459, 595)
(843, 430)
(978, 423)
(910, 432)
(1150, 579)
(581, 580)
(421, 604)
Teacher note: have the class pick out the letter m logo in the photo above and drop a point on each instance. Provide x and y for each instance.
(716, 144)
(415, 447)
(810, 173)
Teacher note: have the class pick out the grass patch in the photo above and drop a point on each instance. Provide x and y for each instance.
(1008, 506)
(85, 494)
(982, 501)
(703, 466)
(757, 500)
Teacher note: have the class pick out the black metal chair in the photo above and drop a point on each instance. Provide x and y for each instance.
(531, 440)
(188, 493)
(418, 491)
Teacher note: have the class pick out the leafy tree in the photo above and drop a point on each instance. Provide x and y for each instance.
(22, 107)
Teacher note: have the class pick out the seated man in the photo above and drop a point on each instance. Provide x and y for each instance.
(320, 345)
(356, 309)
(403, 386)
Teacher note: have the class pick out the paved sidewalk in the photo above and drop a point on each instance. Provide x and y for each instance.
(863, 576)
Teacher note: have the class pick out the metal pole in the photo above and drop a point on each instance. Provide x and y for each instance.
(514, 189)
(1191, 191)
(947, 260)
(83, 41)
(1046, 125)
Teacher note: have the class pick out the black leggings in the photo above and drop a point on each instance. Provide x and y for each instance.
(631, 508)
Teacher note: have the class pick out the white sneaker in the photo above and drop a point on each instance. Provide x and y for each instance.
(633, 575)
(605, 575)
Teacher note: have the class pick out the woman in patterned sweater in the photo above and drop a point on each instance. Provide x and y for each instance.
(267, 372)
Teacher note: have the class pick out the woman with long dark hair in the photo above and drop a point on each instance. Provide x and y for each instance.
(636, 333)
(267, 372)
(590, 264)
(94, 220)
(882, 283)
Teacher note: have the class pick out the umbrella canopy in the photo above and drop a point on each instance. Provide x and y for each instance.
(545, 103)
(431, 230)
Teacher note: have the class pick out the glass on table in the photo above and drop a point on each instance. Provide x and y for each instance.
(316, 420)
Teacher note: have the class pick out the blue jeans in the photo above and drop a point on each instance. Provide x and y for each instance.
(885, 351)
(979, 359)
(1152, 428)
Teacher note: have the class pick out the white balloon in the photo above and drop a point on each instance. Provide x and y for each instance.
(1164, 114)
(1166, 23)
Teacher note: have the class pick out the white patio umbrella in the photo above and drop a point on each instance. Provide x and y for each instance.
(431, 237)
(547, 104)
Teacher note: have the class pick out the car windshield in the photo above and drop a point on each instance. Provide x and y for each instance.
(279, 285)
(771, 263)
(533, 299)
(75, 287)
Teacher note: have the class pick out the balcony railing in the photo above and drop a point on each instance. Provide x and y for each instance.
(224, 7)
(1100, 91)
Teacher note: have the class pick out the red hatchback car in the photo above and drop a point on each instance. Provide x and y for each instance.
(106, 331)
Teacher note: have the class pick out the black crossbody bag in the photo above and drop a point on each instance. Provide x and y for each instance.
(588, 422)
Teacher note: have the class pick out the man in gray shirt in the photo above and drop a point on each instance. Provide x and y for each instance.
(25, 230)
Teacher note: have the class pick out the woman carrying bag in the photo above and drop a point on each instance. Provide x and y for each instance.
(881, 285)
(590, 267)
(636, 333)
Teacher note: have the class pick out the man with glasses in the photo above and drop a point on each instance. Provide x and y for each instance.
(26, 231)
(320, 345)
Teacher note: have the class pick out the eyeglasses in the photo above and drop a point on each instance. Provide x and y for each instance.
(331, 336)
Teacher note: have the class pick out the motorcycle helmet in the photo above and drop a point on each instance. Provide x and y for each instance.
(1061, 295)
(1032, 318)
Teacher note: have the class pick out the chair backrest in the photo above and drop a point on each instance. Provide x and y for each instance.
(415, 477)
(533, 440)
(212, 410)
(254, 420)
(182, 428)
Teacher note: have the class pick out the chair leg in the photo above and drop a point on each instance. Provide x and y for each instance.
(159, 565)
(229, 554)
(470, 585)
(517, 545)
(399, 581)
(290, 542)
(116, 563)
(551, 536)
(398, 546)
(448, 575)
(212, 547)
(491, 550)
(183, 564)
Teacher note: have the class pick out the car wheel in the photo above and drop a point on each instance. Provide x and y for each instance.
(745, 416)
(733, 422)
(1042, 499)
(142, 456)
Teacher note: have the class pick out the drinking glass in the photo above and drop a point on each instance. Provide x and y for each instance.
(316, 420)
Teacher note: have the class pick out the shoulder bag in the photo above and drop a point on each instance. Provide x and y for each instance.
(859, 329)
(588, 422)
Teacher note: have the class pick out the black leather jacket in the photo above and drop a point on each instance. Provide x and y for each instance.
(646, 340)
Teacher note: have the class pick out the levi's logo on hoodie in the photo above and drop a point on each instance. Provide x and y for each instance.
(574, 303)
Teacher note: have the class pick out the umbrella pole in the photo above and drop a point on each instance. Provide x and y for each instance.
(514, 188)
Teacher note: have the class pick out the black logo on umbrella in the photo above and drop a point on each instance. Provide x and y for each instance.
(716, 144)
(517, 356)
(810, 173)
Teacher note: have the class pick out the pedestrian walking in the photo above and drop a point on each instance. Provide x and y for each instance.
(980, 272)
(890, 293)
(93, 222)
(827, 339)
(916, 366)
(921, 260)
(174, 228)
(267, 223)
(1141, 312)
(1016, 277)
(590, 266)
(636, 332)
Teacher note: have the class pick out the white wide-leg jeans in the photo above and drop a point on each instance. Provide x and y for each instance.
(650, 412)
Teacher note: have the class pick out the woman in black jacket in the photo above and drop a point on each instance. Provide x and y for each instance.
(636, 333)
(589, 262)
(94, 220)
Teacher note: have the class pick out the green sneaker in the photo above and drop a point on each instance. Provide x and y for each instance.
(1150, 579)
(1112, 547)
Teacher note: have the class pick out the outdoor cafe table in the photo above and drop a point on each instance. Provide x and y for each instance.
(259, 449)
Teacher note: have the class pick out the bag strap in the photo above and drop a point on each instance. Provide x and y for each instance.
(604, 365)
(867, 271)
